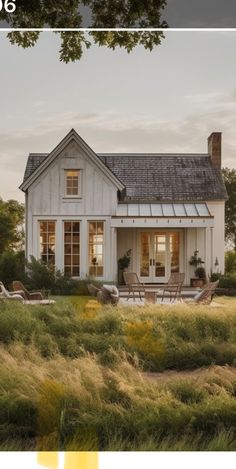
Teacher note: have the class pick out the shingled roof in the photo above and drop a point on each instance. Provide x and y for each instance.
(33, 162)
(167, 177)
(158, 176)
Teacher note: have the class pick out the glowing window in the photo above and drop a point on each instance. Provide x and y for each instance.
(72, 183)
(96, 248)
(72, 248)
(47, 241)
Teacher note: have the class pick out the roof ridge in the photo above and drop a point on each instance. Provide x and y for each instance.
(37, 154)
(152, 154)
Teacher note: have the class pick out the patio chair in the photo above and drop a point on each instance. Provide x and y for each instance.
(107, 294)
(174, 286)
(134, 285)
(205, 296)
(6, 295)
(17, 285)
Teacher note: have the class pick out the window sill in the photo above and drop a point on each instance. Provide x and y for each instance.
(71, 197)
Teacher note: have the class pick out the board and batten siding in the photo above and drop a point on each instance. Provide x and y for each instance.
(208, 241)
(46, 200)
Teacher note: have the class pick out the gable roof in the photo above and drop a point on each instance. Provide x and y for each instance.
(167, 177)
(145, 176)
(38, 162)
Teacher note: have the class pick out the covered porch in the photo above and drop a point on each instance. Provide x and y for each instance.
(162, 238)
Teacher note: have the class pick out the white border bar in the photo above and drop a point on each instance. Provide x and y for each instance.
(121, 29)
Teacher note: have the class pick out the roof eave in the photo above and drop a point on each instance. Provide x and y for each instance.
(72, 135)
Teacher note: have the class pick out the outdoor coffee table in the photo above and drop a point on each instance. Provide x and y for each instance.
(151, 296)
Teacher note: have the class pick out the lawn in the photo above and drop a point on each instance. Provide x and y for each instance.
(125, 378)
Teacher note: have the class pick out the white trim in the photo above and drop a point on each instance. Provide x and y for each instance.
(137, 222)
(152, 278)
(79, 194)
(71, 136)
(63, 245)
(105, 248)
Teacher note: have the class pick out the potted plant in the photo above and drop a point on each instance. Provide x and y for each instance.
(123, 264)
(200, 273)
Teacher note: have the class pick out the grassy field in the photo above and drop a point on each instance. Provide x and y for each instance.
(73, 378)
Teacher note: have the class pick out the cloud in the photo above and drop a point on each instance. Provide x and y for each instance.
(116, 132)
(200, 14)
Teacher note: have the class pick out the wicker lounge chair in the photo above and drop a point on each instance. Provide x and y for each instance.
(19, 295)
(134, 285)
(174, 286)
(6, 295)
(17, 285)
(205, 296)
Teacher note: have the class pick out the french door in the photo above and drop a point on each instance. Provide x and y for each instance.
(159, 254)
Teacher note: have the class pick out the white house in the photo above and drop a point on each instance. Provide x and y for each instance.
(85, 210)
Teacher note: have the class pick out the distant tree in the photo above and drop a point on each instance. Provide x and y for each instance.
(230, 207)
(102, 13)
(11, 225)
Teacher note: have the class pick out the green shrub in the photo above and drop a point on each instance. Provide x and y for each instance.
(215, 276)
(43, 276)
(228, 281)
(40, 275)
(12, 267)
(230, 262)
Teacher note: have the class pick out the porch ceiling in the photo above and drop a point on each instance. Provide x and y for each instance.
(163, 215)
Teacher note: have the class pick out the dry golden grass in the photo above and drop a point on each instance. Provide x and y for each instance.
(51, 399)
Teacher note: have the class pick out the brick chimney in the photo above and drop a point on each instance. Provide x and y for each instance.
(214, 148)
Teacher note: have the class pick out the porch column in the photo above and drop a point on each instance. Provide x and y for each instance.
(113, 264)
(59, 245)
(208, 251)
(84, 248)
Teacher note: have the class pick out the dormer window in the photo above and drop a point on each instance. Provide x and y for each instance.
(73, 183)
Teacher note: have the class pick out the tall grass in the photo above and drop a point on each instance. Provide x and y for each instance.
(71, 380)
(64, 404)
(162, 337)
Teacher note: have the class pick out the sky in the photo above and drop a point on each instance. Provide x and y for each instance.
(167, 100)
(200, 13)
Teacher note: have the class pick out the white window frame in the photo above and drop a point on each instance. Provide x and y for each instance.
(45, 220)
(79, 194)
(71, 244)
(101, 277)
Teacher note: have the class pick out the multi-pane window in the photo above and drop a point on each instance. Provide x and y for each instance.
(72, 183)
(72, 248)
(96, 248)
(47, 241)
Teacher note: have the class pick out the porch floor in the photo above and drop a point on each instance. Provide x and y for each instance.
(187, 291)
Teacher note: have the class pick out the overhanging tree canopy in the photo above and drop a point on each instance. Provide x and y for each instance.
(102, 14)
(86, 13)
